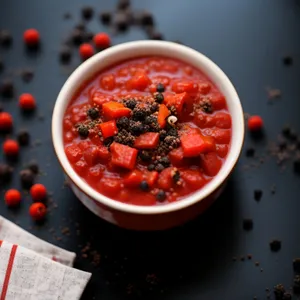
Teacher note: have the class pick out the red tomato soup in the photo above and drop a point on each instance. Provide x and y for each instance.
(147, 131)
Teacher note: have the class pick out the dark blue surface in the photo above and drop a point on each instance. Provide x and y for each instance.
(247, 39)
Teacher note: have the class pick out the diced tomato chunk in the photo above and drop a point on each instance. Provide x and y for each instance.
(222, 120)
(110, 186)
(193, 178)
(115, 110)
(218, 101)
(176, 156)
(141, 198)
(148, 140)
(81, 167)
(222, 136)
(185, 86)
(91, 155)
(95, 172)
(204, 121)
(133, 179)
(151, 177)
(165, 180)
(108, 129)
(211, 164)
(84, 144)
(140, 81)
(163, 113)
(204, 88)
(123, 156)
(103, 153)
(108, 82)
(222, 150)
(210, 144)
(99, 99)
(195, 144)
(73, 153)
(176, 100)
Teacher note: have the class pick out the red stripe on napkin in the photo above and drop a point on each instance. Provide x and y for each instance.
(8, 271)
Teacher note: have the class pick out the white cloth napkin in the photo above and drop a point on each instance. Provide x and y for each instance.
(32, 269)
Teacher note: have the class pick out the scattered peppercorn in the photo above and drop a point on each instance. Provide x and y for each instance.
(65, 54)
(37, 211)
(249, 256)
(206, 105)
(286, 131)
(155, 34)
(297, 165)
(159, 167)
(154, 107)
(164, 161)
(258, 194)
(1, 65)
(27, 102)
(247, 224)
(144, 186)
(121, 21)
(108, 141)
(83, 131)
(33, 166)
(287, 296)
(139, 114)
(275, 245)
(173, 132)
(27, 178)
(123, 4)
(151, 167)
(160, 88)
(123, 122)
(279, 291)
(145, 156)
(101, 40)
(176, 176)
(145, 18)
(87, 12)
(5, 38)
(27, 75)
(38, 192)
(296, 265)
(5, 172)
(136, 128)
(161, 196)
(93, 113)
(105, 17)
(250, 152)
(287, 60)
(159, 98)
(6, 122)
(152, 122)
(296, 285)
(67, 16)
(77, 37)
(7, 88)
(31, 37)
(130, 103)
(23, 137)
(124, 137)
(12, 197)
(10, 148)
(86, 51)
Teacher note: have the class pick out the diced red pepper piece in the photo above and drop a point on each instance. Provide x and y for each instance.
(134, 178)
(163, 113)
(192, 145)
(210, 144)
(148, 140)
(218, 101)
(73, 153)
(81, 167)
(151, 178)
(176, 156)
(223, 120)
(110, 186)
(139, 81)
(193, 178)
(211, 164)
(185, 86)
(91, 155)
(222, 136)
(123, 156)
(115, 110)
(103, 153)
(176, 100)
(108, 129)
(222, 150)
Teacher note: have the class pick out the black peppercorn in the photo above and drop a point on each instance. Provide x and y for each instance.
(27, 178)
(176, 176)
(154, 107)
(65, 54)
(123, 4)
(27, 75)
(77, 37)
(151, 167)
(1, 65)
(87, 12)
(288, 60)
(159, 167)
(144, 186)
(159, 98)
(275, 245)
(7, 88)
(160, 88)
(258, 194)
(121, 21)
(123, 122)
(136, 128)
(139, 114)
(93, 113)
(247, 224)
(145, 156)
(161, 196)
(131, 103)
(250, 152)
(296, 285)
(164, 161)
(23, 137)
(172, 132)
(33, 166)
(5, 38)
(105, 17)
(5, 172)
(83, 131)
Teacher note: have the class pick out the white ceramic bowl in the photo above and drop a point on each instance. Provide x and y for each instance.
(148, 217)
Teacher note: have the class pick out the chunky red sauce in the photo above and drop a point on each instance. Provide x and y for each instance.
(147, 131)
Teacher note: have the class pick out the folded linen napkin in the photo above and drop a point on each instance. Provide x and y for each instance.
(32, 269)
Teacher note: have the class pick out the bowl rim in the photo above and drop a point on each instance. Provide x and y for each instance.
(218, 77)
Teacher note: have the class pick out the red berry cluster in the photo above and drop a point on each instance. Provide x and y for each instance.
(38, 193)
